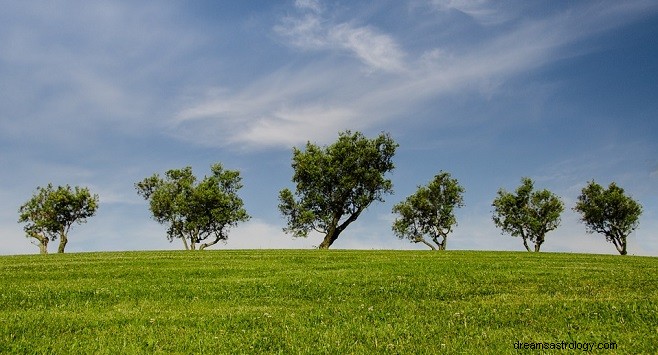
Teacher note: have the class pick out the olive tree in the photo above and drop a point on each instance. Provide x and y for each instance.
(609, 212)
(199, 213)
(51, 212)
(336, 183)
(527, 214)
(429, 212)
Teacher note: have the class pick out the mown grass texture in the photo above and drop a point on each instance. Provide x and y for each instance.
(333, 302)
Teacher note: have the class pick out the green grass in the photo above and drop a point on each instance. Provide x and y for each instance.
(334, 302)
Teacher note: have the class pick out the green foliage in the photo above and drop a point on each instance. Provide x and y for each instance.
(527, 214)
(609, 212)
(329, 302)
(336, 183)
(195, 212)
(430, 212)
(51, 212)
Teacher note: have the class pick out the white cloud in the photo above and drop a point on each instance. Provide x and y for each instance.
(304, 102)
(259, 234)
(378, 51)
(483, 11)
(313, 5)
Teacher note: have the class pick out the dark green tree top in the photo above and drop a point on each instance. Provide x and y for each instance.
(430, 212)
(527, 213)
(51, 212)
(609, 212)
(336, 183)
(195, 212)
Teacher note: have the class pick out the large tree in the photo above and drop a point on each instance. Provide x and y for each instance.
(429, 212)
(197, 213)
(51, 212)
(527, 214)
(336, 183)
(609, 212)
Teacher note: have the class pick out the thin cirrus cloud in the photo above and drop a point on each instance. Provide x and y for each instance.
(379, 81)
(310, 31)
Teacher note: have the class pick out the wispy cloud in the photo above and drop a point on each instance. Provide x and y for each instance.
(310, 31)
(304, 102)
(483, 11)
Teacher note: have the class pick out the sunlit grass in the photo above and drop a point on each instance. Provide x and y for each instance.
(310, 301)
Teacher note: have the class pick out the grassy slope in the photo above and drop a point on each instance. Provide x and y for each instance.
(309, 301)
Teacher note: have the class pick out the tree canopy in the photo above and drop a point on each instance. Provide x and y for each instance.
(527, 214)
(429, 212)
(196, 213)
(609, 212)
(51, 212)
(336, 183)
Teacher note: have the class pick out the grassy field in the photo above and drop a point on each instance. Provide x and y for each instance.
(334, 302)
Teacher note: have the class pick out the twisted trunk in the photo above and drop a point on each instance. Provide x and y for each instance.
(525, 244)
(63, 240)
(43, 242)
(620, 244)
(538, 243)
(420, 239)
(335, 229)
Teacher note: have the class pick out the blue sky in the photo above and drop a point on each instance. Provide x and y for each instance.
(105, 93)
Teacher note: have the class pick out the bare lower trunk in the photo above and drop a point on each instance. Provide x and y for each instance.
(215, 241)
(525, 244)
(43, 247)
(538, 243)
(187, 247)
(443, 244)
(335, 229)
(43, 242)
(63, 240)
(329, 239)
(422, 240)
(620, 244)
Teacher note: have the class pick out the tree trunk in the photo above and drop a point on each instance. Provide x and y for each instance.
(329, 239)
(63, 240)
(422, 240)
(538, 243)
(622, 242)
(43, 241)
(444, 243)
(187, 247)
(525, 244)
(335, 229)
(205, 245)
(43, 247)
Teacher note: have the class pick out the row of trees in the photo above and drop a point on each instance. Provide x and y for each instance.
(334, 184)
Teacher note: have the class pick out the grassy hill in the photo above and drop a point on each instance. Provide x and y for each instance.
(311, 301)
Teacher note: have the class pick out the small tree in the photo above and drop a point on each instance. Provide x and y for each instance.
(609, 212)
(430, 212)
(527, 214)
(51, 212)
(335, 184)
(195, 212)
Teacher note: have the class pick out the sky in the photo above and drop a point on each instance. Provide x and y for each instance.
(104, 93)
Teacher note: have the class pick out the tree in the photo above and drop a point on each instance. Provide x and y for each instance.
(527, 214)
(609, 212)
(430, 212)
(336, 183)
(196, 212)
(51, 212)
